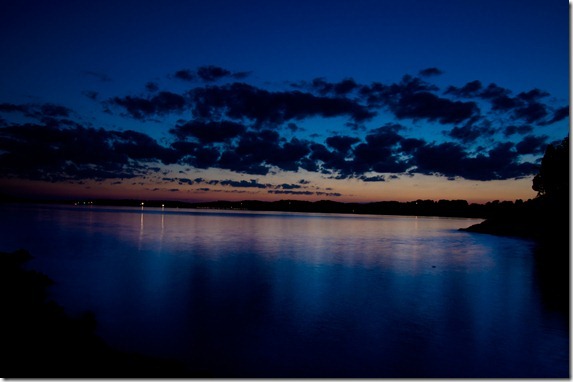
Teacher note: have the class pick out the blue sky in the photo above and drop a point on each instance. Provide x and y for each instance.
(356, 100)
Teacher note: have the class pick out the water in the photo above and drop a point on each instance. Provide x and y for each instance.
(244, 294)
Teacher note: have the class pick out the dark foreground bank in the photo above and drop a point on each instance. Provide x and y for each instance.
(545, 218)
(41, 341)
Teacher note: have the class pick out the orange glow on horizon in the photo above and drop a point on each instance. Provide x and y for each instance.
(402, 190)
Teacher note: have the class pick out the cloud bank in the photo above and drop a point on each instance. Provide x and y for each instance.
(225, 123)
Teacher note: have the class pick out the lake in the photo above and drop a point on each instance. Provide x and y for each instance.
(273, 294)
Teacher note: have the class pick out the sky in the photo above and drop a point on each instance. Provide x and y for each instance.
(353, 101)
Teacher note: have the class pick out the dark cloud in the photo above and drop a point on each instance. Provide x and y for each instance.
(345, 86)
(100, 76)
(408, 145)
(430, 72)
(245, 129)
(292, 127)
(51, 110)
(140, 146)
(426, 105)
(208, 132)
(209, 73)
(265, 148)
(204, 157)
(325, 161)
(42, 112)
(13, 108)
(71, 152)
(380, 153)
(532, 145)
(471, 131)
(559, 115)
(341, 143)
(494, 91)
(93, 95)
(212, 73)
(330, 194)
(411, 98)
(230, 160)
(253, 183)
(527, 106)
(142, 108)
(241, 101)
(451, 160)
(185, 75)
(43, 152)
(513, 129)
(151, 87)
(319, 85)
(532, 112)
(533, 95)
(185, 181)
(286, 186)
(289, 192)
(376, 178)
(469, 90)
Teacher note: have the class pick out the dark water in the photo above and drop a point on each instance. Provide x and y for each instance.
(239, 294)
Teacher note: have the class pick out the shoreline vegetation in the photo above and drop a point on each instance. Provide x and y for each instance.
(546, 218)
(440, 208)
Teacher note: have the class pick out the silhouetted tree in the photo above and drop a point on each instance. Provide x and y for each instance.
(553, 176)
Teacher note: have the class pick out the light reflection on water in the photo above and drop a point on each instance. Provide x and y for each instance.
(285, 294)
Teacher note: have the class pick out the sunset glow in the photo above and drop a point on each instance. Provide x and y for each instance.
(360, 101)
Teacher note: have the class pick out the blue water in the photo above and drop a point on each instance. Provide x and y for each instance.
(245, 294)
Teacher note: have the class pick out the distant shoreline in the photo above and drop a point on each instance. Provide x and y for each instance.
(532, 219)
(440, 208)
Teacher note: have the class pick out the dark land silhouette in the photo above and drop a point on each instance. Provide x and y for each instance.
(41, 341)
(445, 208)
(546, 220)
(546, 217)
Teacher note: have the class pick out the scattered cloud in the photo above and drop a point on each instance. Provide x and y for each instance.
(532, 144)
(248, 129)
(143, 108)
(559, 115)
(291, 192)
(513, 129)
(42, 112)
(376, 178)
(93, 95)
(151, 87)
(430, 72)
(473, 130)
(240, 101)
(100, 76)
(208, 132)
(209, 73)
(253, 183)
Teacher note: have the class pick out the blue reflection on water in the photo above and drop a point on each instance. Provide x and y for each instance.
(291, 295)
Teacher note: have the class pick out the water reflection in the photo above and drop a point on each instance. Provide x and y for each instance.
(286, 295)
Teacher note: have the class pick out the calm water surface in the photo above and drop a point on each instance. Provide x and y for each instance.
(244, 294)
